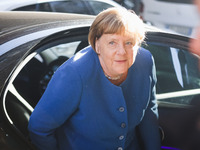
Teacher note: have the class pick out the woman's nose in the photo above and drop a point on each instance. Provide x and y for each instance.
(121, 50)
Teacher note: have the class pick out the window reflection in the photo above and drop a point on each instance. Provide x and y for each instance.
(177, 73)
(177, 69)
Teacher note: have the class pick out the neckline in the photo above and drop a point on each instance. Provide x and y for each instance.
(102, 75)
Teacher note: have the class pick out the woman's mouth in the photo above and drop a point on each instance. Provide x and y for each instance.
(120, 61)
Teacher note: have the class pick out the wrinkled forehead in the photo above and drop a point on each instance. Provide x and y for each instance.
(123, 31)
(120, 28)
(118, 38)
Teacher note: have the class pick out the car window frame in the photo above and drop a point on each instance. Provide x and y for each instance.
(176, 41)
(49, 41)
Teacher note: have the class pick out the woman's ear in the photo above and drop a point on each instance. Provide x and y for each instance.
(97, 47)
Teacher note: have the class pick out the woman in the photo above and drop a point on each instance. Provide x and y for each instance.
(103, 98)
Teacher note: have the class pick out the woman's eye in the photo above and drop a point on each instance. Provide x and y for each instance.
(112, 43)
(128, 43)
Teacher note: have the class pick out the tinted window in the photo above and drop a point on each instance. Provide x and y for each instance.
(178, 1)
(177, 73)
(32, 80)
(69, 7)
(80, 7)
(35, 7)
(98, 6)
(27, 8)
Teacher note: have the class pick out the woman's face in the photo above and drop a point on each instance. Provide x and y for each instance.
(116, 53)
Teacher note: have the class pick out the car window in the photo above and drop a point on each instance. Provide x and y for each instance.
(32, 80)
(27, 8)
(69, 7)
(178, 1)
(97, 7)
(177, 73)
(58, 6)
(80, 7)
(35, 7)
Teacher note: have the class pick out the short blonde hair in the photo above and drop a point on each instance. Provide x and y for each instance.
(116, 21)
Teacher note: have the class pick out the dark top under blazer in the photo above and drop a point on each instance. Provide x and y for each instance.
(82, 110)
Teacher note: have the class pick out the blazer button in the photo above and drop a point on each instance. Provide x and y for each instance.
(121, 109)
(120, 148)
(123, 125)
(121, 137)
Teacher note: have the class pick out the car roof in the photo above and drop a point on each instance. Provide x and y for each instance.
(17, 20)
(20, 23)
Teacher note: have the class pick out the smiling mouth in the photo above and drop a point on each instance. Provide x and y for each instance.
(120, 61)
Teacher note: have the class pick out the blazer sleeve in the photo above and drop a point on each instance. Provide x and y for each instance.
(149, 128)
(58, 102)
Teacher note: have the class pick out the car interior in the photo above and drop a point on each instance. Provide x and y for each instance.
(179, 116)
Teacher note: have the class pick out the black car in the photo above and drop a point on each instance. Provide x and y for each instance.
(34, 44)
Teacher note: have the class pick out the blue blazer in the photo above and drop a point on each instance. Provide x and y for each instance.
(82, 110)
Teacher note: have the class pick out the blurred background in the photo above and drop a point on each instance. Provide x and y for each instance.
(178, 16)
